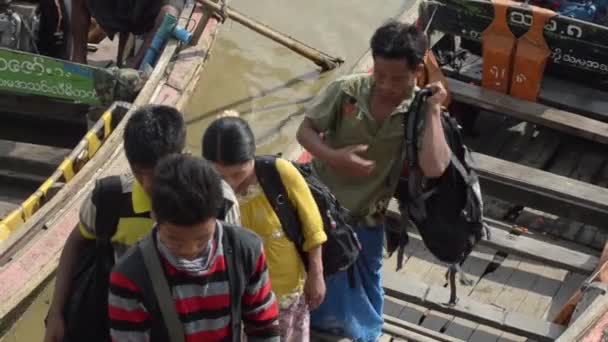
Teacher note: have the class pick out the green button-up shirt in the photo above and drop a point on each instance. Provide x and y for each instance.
(342, 112)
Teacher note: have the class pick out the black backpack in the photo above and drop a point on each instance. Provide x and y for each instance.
(447, 211)
(342, 246)
(86, 310)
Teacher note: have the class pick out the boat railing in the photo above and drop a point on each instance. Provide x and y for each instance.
(74, 162)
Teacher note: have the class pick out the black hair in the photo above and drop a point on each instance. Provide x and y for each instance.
(185, 190)
(397, 40)
(152, 132)
(229, 141)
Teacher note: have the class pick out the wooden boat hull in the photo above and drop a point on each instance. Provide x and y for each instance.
(579, 49)
(30, 254)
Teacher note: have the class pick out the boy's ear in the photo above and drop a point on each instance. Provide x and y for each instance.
(153, 215)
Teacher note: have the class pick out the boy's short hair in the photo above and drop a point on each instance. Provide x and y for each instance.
(185, 190)
(152, 132)
(397, 40)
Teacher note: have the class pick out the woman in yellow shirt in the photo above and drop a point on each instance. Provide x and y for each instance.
(229, 143)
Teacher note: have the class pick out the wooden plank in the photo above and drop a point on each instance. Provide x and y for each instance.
(571, 283)
(435, 298)
(485, 334)
(475, 266)
(559, 120)
(420, 330)
(514, 293)
(488, 288)
(579, 98)
(543, 190)
(576, 97)
(547, 284)
(590, 326)
(30, 158)
(401, 335)
(547, 253)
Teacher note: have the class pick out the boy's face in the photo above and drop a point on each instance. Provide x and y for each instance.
(187, 242)
(144, 177)
(394, 80)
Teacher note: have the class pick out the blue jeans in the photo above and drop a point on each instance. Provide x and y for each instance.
(355, 311)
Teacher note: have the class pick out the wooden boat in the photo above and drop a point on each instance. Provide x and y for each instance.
(544, 173)
(35, 235)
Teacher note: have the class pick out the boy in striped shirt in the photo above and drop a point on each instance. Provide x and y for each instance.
(196, 250)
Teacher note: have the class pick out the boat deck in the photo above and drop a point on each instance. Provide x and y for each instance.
(516, 282)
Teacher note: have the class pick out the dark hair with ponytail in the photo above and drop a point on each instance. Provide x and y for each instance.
(228, 141)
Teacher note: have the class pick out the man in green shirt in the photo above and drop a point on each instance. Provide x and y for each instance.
(361, 119)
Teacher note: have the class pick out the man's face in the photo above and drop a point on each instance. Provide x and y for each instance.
(144, 177)
(236, 175)
(187, 242)
(394, 80)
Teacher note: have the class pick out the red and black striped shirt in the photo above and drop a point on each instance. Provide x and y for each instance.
(202, 301)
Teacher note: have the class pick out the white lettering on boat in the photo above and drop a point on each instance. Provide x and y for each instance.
(558, 57)
(59, 90)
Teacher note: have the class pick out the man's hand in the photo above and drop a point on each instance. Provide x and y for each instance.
(349, 162)
(439, 94)
(55, 328)
(314, 290)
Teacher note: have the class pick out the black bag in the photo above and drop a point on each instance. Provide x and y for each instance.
(342, 246)
(86, 310)
(447, 211)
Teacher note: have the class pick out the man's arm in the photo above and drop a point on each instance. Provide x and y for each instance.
(259, 305)
(80, 22)
(435, 153)
(321, 117)
(129, 319)
(55, 321)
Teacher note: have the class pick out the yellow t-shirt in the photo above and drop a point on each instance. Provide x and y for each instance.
(287, 272)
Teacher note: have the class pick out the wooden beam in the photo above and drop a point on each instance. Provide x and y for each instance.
(31, 158)
(551, 193)
(547, 253)
(400, 332)
(434, 298)
(592, 321)
(390, 321)
(559, 120)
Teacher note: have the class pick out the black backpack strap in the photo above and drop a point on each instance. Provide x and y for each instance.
(270, 180)
(161, 289)
(236, 279)
(107, 197)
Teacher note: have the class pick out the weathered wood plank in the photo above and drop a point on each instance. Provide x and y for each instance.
(590, 326)
(571, 283)
(435, 298)
(576, 97)
(547, 253)
(420, 330)
(474, 267)
(30, 158)
(542, 190)
(559, 120)
(401, 335)
(541, 294)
